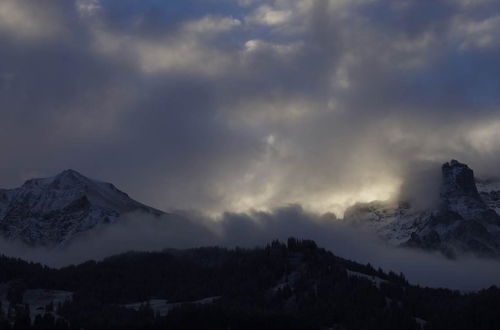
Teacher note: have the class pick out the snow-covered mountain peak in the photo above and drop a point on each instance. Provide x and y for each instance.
(52, 210)
(67, 179)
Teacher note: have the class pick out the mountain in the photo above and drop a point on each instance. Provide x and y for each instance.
(54, 210)
(464, 219)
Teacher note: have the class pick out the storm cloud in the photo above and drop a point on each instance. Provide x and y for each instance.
(221, 105)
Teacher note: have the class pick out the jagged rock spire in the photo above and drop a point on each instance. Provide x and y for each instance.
(458, 180)
(459, 193)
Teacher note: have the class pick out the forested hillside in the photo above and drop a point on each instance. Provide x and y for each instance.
(281, 286)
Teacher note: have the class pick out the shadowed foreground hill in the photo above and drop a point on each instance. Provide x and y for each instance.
(281, 286)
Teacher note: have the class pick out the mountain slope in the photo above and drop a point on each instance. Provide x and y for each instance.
(53, 210)
(463, 220)
(489, 191)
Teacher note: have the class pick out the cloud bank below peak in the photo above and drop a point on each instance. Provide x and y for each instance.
(139, 232)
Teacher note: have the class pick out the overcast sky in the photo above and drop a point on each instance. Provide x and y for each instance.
(236, 104)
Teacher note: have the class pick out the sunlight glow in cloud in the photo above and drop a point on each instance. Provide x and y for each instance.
(176, 101)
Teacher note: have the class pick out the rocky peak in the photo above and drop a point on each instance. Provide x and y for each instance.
(458, 180)
(459, 193)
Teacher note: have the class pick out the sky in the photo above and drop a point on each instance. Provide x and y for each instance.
(238, 105)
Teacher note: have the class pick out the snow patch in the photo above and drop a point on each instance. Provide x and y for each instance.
(374, 279)
(163, 306)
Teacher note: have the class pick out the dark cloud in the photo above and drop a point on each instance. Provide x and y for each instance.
(233, 105)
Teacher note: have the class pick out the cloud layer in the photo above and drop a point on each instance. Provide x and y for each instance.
(143, 233)
(231, 105)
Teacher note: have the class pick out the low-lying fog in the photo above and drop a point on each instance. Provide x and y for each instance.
(144, 233)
